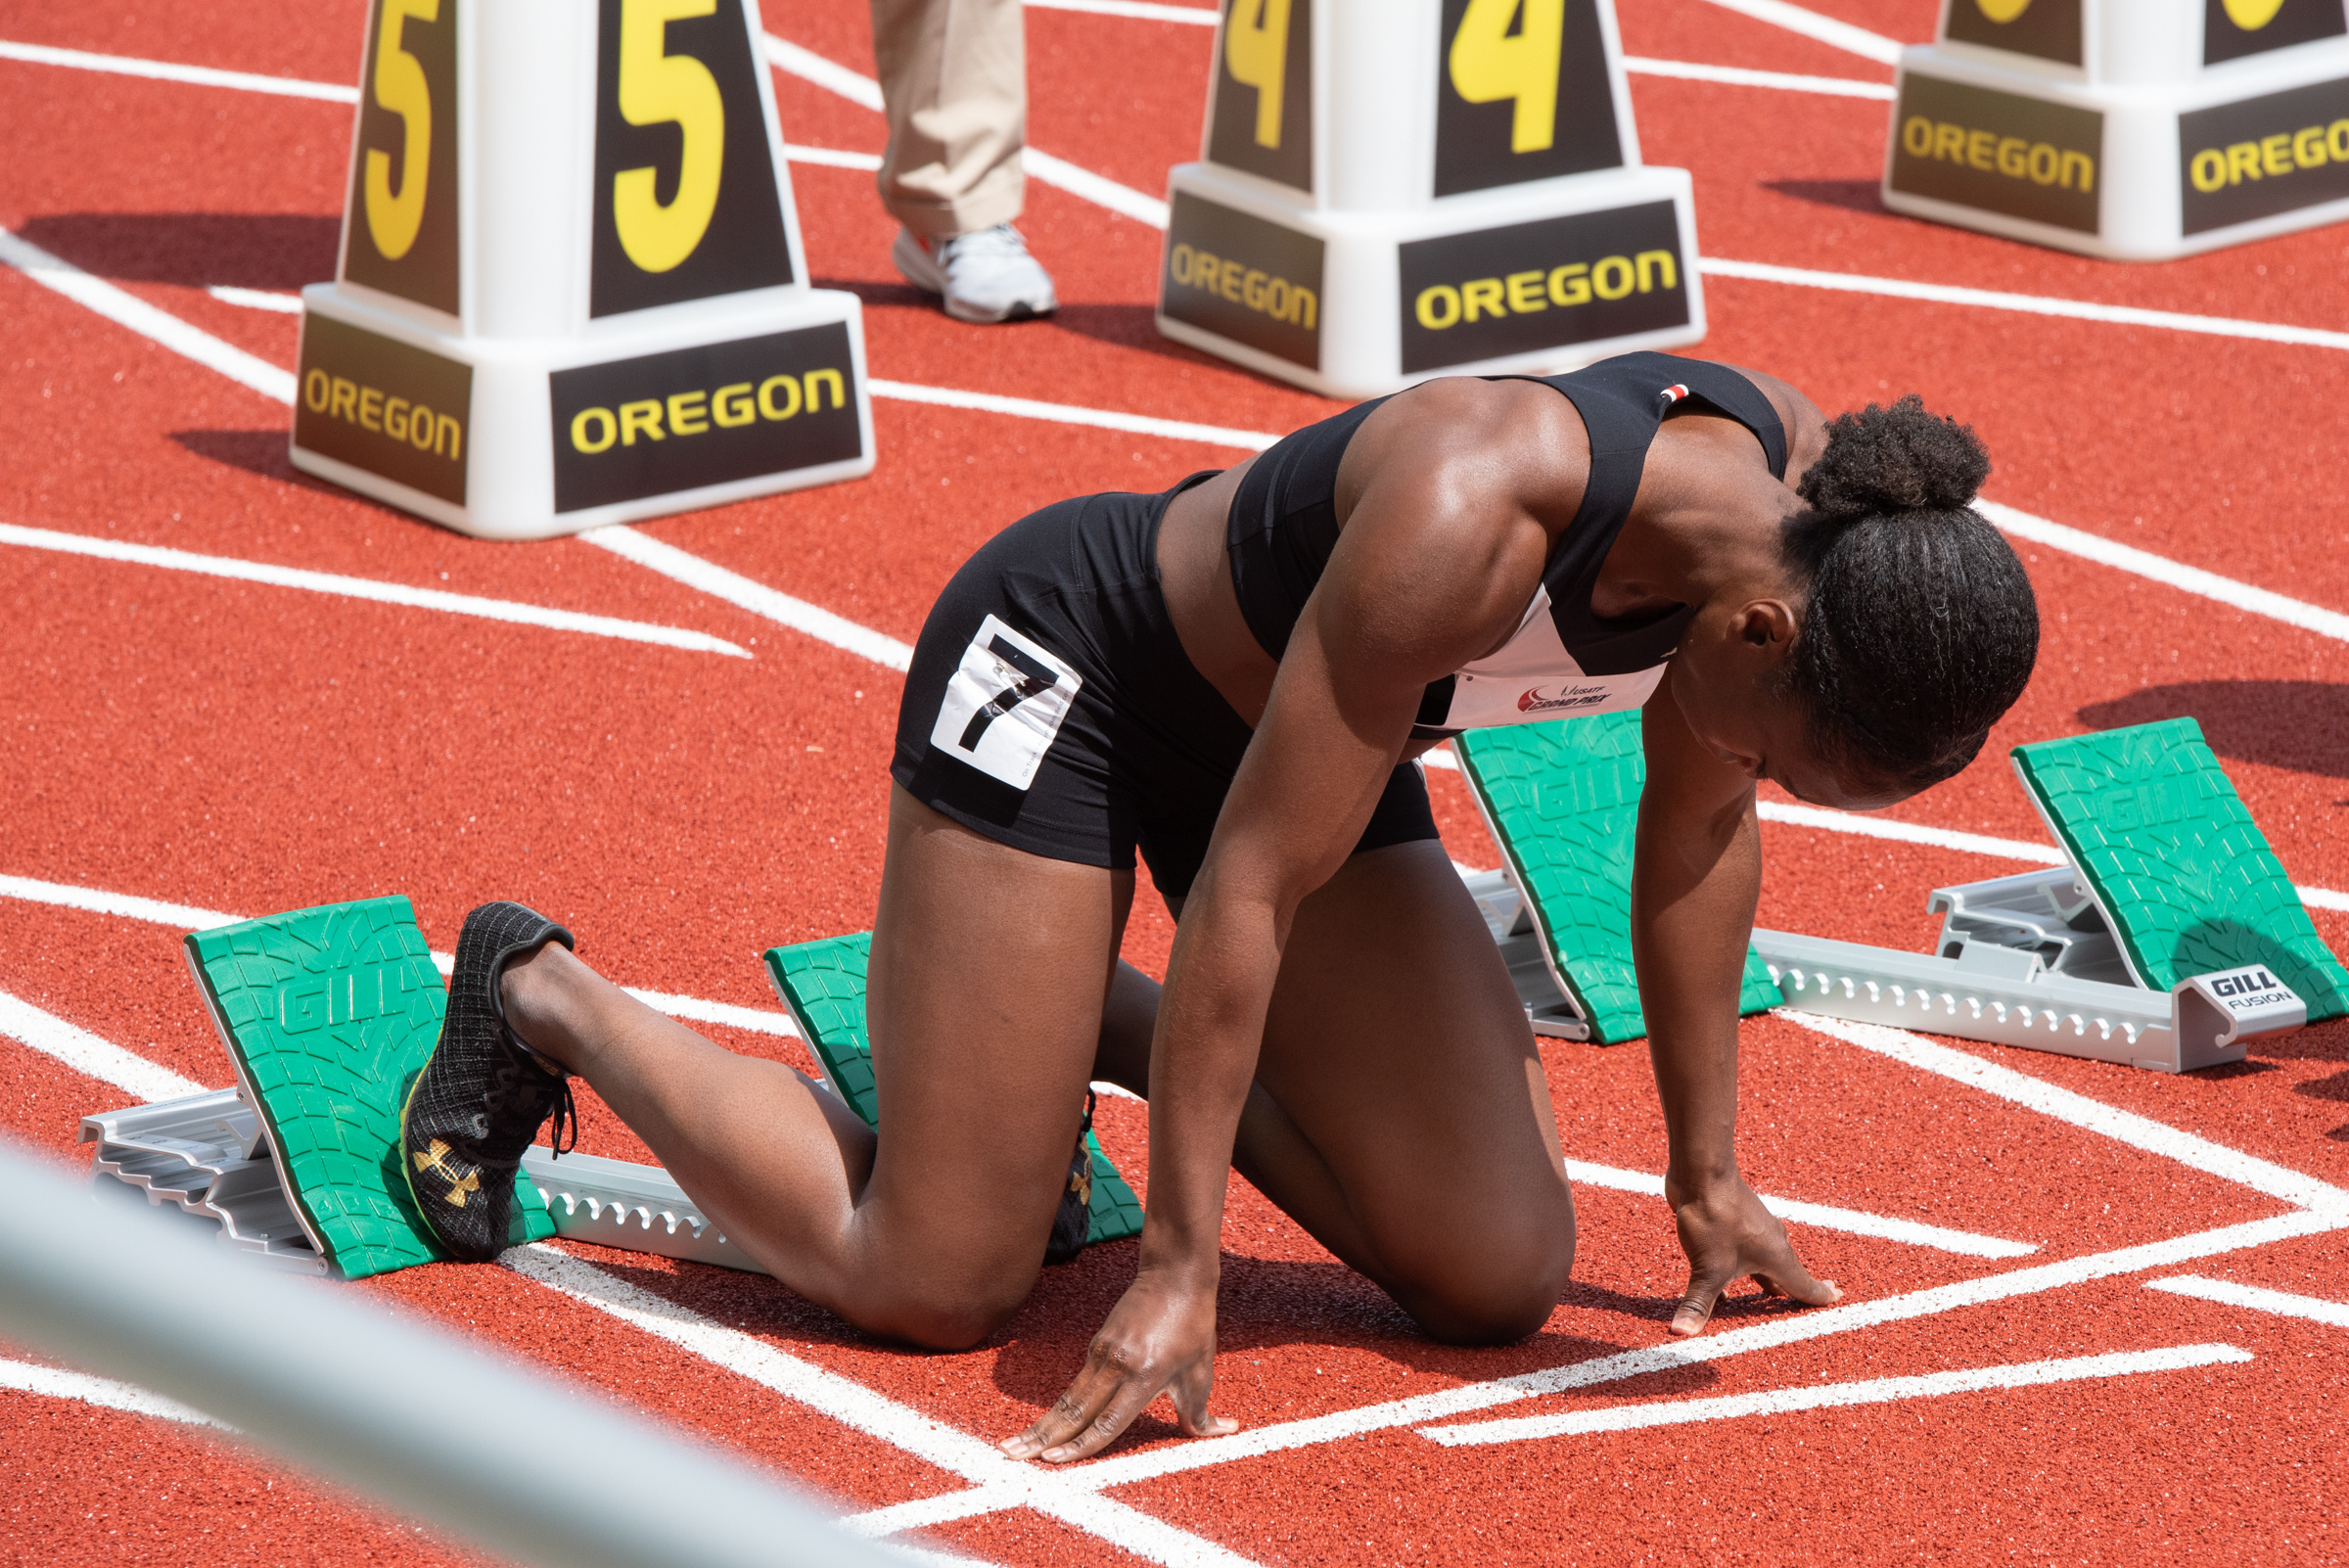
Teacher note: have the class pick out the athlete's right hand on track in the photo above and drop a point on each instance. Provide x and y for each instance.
(1160, 1339)
(1725, 1233)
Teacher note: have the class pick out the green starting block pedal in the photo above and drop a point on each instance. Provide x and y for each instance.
(1562, 800)
(2180, 872)
(328, 1015)
(2168, 938)
(822, 986)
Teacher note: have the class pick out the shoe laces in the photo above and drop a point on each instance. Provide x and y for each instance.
(517, 1101)
(1002, 242)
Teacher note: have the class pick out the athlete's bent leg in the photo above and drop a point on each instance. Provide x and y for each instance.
(1407, 1124)
(984, 998)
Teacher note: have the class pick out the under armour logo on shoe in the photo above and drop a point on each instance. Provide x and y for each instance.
(433, 1160)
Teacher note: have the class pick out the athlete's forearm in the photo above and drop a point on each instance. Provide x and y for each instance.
(1211, 1021)
(1693, 890)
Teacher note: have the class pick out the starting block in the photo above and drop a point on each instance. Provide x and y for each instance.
(2168, 939)
(1396, 189)
(821, 984)
(2134, 129)
(570, 288)
(1562, 800)
(328, 1015)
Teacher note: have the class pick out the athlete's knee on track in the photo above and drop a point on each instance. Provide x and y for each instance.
(954, 1310)
(1497, 1285)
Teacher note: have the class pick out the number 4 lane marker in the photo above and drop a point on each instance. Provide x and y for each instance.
(1826, 1395)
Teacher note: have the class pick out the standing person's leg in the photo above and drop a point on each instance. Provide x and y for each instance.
(985, 996)
(954, 87)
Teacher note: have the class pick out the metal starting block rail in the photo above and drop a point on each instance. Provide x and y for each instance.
(2168, 941)
(204, 1156)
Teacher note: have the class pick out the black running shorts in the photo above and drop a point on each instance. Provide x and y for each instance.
(1050, 705)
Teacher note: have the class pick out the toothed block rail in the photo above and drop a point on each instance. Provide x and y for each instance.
(328, 1015)
(822, 986)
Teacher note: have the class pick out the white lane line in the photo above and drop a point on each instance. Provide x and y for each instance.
(1139, 10)
(88, 1056)
(808, 65)
(169, 70)
(853, 1405)
(368, 588)
(860, 89)
(187, 917)
(1098, 189)
(1739, 77)
(757, 598)
(832, 156)
(1179, 429)
(283, 305)
(1831, 1396)
(1855, 1222)
(1825, 29)
(2089, 1115)
(2185, 579)
(2037, 304)
(26, 1378)
(129, 906)
(1793, 1328)
(1873, 827)
(129, 310)
(2228, 1294)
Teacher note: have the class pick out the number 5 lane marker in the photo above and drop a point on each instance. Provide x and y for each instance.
(1828, 1395)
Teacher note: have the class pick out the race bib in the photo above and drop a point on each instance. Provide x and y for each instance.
(1004, 705)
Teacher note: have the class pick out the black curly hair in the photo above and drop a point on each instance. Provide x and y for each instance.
(1920, 627)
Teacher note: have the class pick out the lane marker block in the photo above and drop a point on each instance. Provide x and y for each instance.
(822, 984)
(1562, 800)
(2135, 129)
(572, 289)
(1390, 190)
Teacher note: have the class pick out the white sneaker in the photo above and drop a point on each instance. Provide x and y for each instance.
(984, 277)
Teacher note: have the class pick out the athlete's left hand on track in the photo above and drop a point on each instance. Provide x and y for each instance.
(1160, 1339)
(1725, 1233)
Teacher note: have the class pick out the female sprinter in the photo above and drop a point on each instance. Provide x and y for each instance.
(1232, 677)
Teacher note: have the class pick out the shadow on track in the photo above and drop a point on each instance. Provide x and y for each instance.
(279, 250)
(2302, 725)
(1853, 196)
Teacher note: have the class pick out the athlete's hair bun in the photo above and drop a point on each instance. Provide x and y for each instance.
(1899, 459)
(1919, 628)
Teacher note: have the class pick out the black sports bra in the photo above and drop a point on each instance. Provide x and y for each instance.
(1563, 661)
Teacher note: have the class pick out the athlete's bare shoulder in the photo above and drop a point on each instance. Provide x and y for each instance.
(1806, 427)
(1500, 441)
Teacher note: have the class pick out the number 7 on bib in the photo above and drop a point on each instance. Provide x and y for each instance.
(1004, 705)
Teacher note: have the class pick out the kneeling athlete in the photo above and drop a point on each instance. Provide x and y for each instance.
(1231, 677)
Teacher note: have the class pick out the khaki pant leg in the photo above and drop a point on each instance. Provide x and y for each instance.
(954, 86)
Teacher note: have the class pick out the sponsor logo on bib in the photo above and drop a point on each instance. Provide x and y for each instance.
(1530, 700)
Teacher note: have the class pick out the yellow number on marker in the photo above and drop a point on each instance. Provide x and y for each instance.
(2252, 14)
(394, 217)
(1488, 65)
(657, 88)
(2003, 10)
(1256, 48)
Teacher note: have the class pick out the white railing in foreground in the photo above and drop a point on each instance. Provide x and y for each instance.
(406, 1414)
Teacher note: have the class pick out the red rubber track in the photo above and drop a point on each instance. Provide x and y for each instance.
(248, 749)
